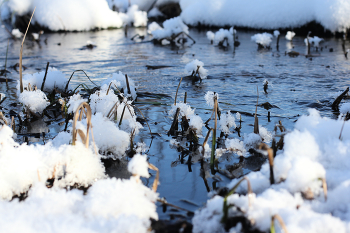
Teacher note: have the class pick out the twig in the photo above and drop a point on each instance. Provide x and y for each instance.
(47, 68)
(177, 91)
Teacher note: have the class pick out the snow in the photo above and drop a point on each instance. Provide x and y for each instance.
(276, 33)
(74, 102)
(138, 166)
(35, 101)
(344, 108)
(263, 39)
(270, 14)
(120, 81)
(209, 97)
(23, 165)
(290, 35)
(153, 26)
(127, 206)
(54, 79)
(315, 40)
(210, 35)
(226, 122)
(195, 121)
(16, 33)
(193, 66)
(222, 34)
(312, 152)
(171, 27)
(80, 15)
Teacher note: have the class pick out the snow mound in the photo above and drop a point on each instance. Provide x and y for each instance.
(270, 14)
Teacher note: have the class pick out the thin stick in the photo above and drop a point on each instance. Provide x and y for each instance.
(65, 89)
(177, 91)
(121, 118)
(185, 98)
(8, 41)
(205, 140)
(163, 201)
(21, 54)
(212, 159)
(127, 83)
(256, 120)
(47, 68)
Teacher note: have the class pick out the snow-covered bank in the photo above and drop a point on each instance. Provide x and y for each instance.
(314, 153)
(78, 15)
(271, 14)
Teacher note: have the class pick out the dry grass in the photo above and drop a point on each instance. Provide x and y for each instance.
(280, 221)
(21, 54)
(83, 108)
(156, 180)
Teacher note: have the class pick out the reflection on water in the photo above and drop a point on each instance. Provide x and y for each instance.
(295, 84)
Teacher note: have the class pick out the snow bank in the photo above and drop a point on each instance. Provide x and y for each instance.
(312, 152)
(111, 205)
(22, 166)
(79, 15)
(270, 14)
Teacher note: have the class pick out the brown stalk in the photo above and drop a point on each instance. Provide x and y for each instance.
(21, 54)
(83, 108)
(127, 83)
(178, 86)
(47, 68)
(156, 180)
(206, 140)
(256, 120)
(280, 221)
(324, 185)
(2, 117)
(263, 146)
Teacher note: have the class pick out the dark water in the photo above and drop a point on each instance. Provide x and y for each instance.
(296, 84)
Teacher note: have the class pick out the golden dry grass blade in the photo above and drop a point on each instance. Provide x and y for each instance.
(13, 124)
(109, 86)
(265, 147)
(178, 86)
(324, 185)
(83, 107)
(280, 221)
(38, 175)
(81, 134)
(112, 109)
(21, 54)
(2, 117)
(156, 180)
